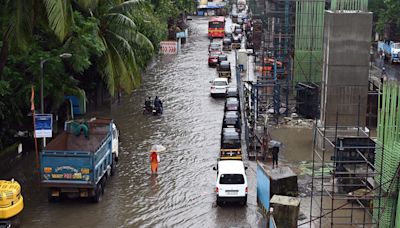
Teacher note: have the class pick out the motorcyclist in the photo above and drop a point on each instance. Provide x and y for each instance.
(147, 104)
(158, 104)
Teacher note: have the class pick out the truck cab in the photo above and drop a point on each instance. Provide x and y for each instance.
(391, 50)
(115, 141)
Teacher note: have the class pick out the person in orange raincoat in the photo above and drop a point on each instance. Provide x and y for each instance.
(154, 160)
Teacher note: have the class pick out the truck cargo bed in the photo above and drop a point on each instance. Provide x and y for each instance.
(70, 142)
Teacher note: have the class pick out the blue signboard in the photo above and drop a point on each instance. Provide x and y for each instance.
(43, 125)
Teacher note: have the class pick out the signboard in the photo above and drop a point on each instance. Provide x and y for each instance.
(216, 4)
(43, 125)
(169, 47)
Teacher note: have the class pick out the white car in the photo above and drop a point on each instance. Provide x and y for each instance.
(231, 185)
(218, 87)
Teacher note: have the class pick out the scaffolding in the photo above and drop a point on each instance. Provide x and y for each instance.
(343, 174)
(291, 34)
(355, 177)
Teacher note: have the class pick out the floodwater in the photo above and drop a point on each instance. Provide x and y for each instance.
(182, 194)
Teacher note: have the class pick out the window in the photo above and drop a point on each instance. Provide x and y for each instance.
(215, 24)
(219, 83)
(231, 179)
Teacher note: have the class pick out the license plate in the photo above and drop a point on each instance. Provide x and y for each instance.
(231, 193)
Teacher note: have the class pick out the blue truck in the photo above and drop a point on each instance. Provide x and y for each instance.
(391, 50)
(78, 162)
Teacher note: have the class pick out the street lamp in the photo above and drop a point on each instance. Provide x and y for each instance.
(42, 62)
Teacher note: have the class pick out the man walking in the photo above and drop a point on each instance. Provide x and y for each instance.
(275, 151)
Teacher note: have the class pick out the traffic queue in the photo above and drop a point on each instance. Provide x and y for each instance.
(231, 182)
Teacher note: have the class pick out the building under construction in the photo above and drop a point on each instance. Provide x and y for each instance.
(313, 58)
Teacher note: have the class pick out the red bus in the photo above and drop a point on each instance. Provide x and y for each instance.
(216, 27)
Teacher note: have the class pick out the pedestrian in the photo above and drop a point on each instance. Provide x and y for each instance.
(154, 160)
(381, 57)
(119, 96)
(275, 151)
(383, 75)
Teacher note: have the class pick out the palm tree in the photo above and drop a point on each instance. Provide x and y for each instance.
(117, 32)
(16, 26)
(119, 35)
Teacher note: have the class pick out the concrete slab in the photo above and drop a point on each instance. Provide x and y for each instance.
(286, 210)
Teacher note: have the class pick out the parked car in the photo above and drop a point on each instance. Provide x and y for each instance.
(214, 46)
(228, 36)
(213, 58)
(232, 104)
(236, 40)
(230, 138)
(222, 57)
(231, 118)
(232, 92)
(231, 184)
(226, 44)
(224, 69)
(238, 31)
(218, 87)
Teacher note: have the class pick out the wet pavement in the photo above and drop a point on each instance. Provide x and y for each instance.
(182, 194)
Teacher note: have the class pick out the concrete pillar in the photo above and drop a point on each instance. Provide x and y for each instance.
(344, 88)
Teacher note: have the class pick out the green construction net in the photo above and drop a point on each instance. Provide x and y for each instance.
(309, 32)
(387, 155)
(361, 5)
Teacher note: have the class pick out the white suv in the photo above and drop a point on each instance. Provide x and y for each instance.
(231, 182)
(218, 87)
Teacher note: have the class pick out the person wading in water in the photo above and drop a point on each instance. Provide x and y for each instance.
(154, 160)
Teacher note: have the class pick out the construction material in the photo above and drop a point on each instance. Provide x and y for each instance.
(286, 210)
(283, 181)
(307, 100)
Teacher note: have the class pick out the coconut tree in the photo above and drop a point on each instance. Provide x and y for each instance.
(16, 25)
(118, 33)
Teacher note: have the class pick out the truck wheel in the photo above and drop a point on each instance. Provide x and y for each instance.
(244, 201)
(50, 198)
(98, 194)
(113, 166)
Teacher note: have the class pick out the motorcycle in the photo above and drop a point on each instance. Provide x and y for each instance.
(157, 110)
(147, 109)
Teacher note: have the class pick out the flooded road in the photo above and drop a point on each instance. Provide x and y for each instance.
(182, 194)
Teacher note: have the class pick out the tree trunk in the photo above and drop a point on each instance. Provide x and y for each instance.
(3, 56)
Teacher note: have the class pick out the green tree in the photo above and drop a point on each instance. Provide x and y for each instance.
(119, 35)
(16, 24)
(386, 16)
